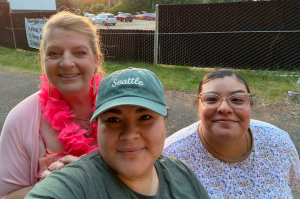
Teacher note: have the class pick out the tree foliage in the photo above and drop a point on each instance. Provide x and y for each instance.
(119, 7)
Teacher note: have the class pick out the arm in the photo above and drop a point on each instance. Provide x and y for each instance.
(21, 193)
(19, 149)
(14, 162)
(63, 184)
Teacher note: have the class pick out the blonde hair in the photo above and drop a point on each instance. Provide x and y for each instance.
(70, 21)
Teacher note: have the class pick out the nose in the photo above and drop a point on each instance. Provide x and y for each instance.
(130, 133)
(67, 60)
(224, 107)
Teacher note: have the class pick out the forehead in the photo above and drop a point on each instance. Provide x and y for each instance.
(63, 37)
(224, 85)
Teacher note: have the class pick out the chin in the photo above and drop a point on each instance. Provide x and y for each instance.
(228, 134)
(69, 90)
(134, 170)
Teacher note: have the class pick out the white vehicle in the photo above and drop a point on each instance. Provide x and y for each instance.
(105, 18)
(90, 17)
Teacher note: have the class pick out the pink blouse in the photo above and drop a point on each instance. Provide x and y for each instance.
(19, 146)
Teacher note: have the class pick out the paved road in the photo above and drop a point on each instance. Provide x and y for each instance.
(13, 89)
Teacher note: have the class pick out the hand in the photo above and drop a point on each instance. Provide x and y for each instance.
(58, 165)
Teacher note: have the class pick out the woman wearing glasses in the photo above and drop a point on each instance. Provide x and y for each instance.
(233, 156)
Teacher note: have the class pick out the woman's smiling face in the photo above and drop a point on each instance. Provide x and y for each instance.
(131, 139)
(69, 60)
(224, 122)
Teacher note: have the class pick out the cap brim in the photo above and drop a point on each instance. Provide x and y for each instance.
(131, 101)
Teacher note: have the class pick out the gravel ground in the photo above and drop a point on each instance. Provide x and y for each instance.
(183, 112)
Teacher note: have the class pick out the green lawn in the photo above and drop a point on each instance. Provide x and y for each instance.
(269, 87)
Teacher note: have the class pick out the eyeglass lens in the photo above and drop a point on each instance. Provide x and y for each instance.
(235, 100)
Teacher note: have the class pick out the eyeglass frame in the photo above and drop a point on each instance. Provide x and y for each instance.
(226, 98)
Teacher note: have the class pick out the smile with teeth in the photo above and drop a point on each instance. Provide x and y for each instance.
(69, 75)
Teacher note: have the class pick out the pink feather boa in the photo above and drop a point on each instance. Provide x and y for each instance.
(57, 112)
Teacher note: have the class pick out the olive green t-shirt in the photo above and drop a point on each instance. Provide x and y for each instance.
(91, 178)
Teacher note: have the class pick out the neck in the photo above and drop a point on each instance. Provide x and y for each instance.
(230, 149)
(80, 102)
(146, 185)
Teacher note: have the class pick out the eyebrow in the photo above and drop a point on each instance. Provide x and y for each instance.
(55, 46)
(233, 92)
(117, 111)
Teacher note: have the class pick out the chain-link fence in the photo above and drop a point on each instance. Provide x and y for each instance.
(127, 45)
(245, 35)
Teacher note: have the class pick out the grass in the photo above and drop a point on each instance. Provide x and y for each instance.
(269, 87)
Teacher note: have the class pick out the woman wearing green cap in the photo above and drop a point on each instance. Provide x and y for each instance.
(130, 111)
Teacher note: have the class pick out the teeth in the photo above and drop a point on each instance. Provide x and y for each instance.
(71, 75)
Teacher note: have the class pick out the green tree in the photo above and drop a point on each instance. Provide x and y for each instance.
(132, 6)
(119, 7)
(106, 9)
(99, 8)
(92, 8)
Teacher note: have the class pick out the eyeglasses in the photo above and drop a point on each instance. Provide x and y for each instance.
(236, 101)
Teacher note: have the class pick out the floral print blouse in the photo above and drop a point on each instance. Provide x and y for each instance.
(271, 171)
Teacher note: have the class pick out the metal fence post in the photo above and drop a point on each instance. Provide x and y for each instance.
(156, 36)
(12, 27)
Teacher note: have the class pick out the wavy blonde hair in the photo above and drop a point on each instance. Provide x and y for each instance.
(69, 21)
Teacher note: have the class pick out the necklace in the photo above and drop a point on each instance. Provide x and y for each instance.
(250, 145)
(59, 115)
(86, 124)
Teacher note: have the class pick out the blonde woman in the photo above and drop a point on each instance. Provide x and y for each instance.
(53, 122)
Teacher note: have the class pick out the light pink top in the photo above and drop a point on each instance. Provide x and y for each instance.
(19, 146)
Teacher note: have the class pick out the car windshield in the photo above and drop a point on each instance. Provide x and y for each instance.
(110, 16)
(92, 16)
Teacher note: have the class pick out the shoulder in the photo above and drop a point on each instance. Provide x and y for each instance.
(173, 164)
(182, 134)
(22, 119)
(265, 131)
(263, 125)
(268, 137)
(89, 160)
(27, 107)
(184, 181)
(183, 142)
(88, 165)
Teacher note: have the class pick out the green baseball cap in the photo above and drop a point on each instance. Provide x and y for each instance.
(130, 87)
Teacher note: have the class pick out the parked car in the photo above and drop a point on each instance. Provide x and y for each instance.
(149, 16)
(124, 17)
(105, 18)
(139, 16)
(89, 16)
